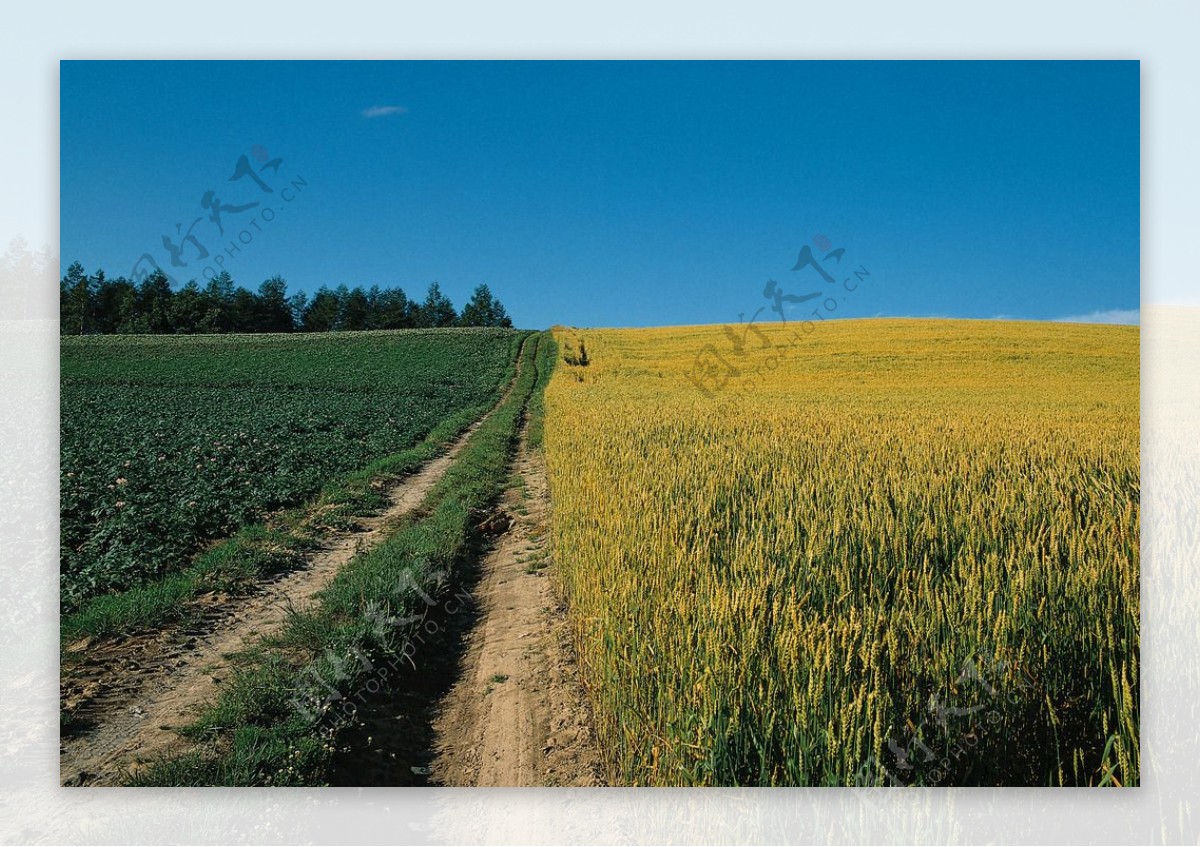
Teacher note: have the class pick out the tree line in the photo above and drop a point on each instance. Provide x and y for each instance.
(92, 303)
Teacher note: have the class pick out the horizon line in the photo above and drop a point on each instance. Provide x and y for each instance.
(1069, 321)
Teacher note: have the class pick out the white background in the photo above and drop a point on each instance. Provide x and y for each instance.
(33, 809)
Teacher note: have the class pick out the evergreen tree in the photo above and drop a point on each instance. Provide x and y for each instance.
(74, 301)
(356, 312)
(437, 310)
(321, 314)
(97, 304)
(374, 316)
(218, 297)
(274, 311)
(394, 310)
(154, 303)
(484, 310)
(244, 311)
(188, 309)
(298, 303)
(116, 306)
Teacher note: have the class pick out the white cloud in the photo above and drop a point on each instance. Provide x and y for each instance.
(380, 111)
(1107, 316)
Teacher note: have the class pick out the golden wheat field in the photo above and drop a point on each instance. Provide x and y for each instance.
(880, 552)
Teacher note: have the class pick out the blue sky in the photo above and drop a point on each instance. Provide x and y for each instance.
(622, 193)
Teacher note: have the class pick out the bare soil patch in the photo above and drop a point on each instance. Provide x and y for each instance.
(517, 714)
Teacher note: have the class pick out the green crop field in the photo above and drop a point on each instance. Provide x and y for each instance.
(169, 442)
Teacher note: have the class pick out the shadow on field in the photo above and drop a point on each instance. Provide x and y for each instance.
(390, 740)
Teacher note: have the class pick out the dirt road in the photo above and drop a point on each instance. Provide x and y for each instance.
(136, 691)
(499, 703)
(517, 714)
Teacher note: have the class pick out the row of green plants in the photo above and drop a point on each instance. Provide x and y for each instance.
(168, 444)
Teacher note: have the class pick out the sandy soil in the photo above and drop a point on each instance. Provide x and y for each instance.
(517, 715)
(131, 693)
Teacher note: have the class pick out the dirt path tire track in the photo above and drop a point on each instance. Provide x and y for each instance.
(518, 714)
(144, 688)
